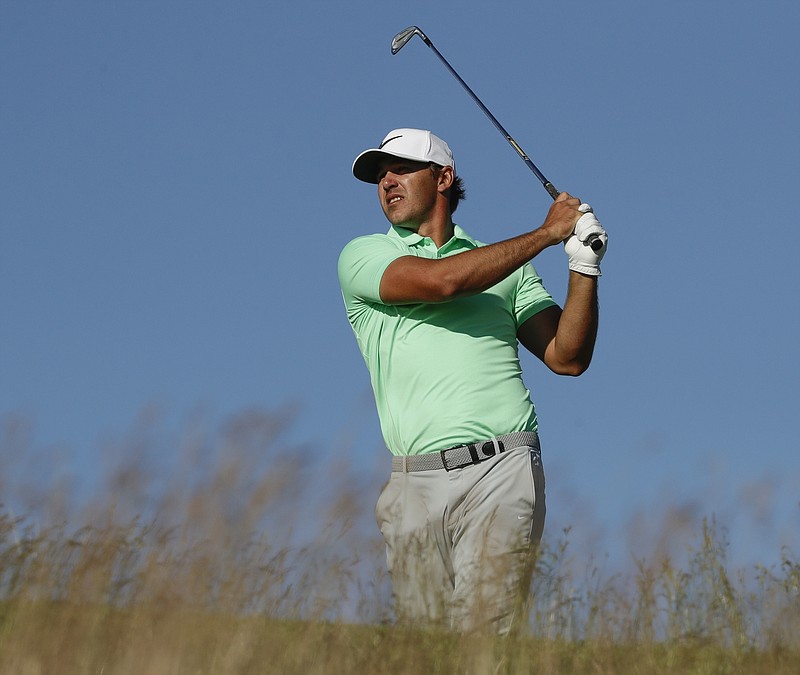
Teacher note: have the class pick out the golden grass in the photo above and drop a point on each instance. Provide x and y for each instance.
(236, 561)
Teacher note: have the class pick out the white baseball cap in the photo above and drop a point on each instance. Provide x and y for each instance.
(415, 144)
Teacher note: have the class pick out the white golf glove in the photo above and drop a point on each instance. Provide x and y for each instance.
(582, 258)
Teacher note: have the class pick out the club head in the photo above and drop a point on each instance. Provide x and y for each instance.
(399, 40)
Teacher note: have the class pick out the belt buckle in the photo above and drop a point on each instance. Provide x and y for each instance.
(473, 453)
(475, 458)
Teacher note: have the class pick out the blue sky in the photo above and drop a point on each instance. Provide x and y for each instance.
(175, 189)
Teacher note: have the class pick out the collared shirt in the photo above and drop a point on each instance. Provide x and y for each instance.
(445, 373)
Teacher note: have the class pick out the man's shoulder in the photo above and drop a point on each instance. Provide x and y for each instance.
(372, 242)
(363, 260)
(368, 238)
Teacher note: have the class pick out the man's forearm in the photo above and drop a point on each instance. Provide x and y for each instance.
(413, 279)
(575, 337)
(481, 268)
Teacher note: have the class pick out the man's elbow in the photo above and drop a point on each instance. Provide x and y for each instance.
(446, 287)
(572, 368)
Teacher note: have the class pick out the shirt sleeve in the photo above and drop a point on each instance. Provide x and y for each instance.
(532, 297)
(362, 264)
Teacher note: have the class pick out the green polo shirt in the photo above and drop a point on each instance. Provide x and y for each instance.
(445, 373)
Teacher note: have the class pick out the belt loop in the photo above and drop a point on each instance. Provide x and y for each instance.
(498, 448)
(405, 463)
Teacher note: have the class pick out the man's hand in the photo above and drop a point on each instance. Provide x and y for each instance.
(561, 218)
(582, 258)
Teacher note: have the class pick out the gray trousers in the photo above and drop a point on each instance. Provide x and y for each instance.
(460, 543)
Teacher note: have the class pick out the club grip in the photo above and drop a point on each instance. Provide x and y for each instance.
(595, 242)
(551, 189)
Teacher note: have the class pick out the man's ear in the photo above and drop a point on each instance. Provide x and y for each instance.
(446, 177)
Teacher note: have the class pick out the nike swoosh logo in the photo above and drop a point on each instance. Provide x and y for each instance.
(389, 140)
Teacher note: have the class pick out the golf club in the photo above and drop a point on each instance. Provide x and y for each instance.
(399, 41)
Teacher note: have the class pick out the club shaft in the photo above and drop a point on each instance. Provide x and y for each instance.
(402, 38)
(551, 189)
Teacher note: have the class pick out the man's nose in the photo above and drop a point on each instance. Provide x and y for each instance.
(388, 179)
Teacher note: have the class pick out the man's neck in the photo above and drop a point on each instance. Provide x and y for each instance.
(440, 230)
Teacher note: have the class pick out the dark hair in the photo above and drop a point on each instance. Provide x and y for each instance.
(457, 191)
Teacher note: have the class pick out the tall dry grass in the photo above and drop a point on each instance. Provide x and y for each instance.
(217, 551)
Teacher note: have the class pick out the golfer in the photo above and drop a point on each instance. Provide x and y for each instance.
(438, 317)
